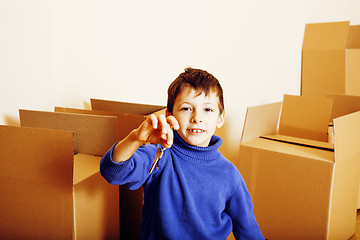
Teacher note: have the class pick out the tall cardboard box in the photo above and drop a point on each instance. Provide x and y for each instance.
(301, 188)
(129, 116)
(331, 59)
(92, 204)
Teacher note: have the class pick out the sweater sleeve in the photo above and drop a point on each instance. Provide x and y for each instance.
(240, 209)
(132, 172)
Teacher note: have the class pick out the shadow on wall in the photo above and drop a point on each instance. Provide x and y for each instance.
(229, 148)
(11, 121)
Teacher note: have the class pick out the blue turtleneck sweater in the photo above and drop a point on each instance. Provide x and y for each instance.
(195, 193)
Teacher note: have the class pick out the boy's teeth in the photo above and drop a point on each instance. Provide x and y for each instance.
(196, 130)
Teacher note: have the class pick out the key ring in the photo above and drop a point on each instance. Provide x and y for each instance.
(158, 144)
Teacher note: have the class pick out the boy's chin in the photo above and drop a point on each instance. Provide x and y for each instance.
(199, 141)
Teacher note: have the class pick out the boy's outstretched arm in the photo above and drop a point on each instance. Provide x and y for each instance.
(153, 130)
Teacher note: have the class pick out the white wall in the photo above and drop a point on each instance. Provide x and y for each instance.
(64, 52)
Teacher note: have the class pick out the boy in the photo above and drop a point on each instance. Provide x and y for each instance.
(193, 192)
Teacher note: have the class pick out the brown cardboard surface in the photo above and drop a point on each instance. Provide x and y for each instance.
(85, 166)
(124, 107)
(36, 183)
(353, 37)
(305, 117)
(253, 129)
(346, 176)
(352, 85)
(290, 192)
(343, 105)
(326, 35)
(302, 192)
(330, 57)
(96, 201)
(93, 134)
(322, 72)
(125, 122)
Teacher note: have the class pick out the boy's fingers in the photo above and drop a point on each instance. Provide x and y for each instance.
(170, 137)
(154, 121)
(173, 122)
(164, 124)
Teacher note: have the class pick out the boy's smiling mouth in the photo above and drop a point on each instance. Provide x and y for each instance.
(195, 130)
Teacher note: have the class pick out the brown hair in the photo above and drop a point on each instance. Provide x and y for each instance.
(200, 80)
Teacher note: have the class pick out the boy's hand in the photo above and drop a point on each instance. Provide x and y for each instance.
(158, 129)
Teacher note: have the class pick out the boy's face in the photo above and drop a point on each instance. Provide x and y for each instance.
(198, 116)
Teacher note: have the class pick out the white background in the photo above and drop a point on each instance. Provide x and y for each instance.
(64, 52)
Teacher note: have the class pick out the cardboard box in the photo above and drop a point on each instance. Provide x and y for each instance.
(129, 116)
(124, 122)
(90, 204)
(131, 202)
(331, 59)
(36, 183)
(94, 135)
(301, 188)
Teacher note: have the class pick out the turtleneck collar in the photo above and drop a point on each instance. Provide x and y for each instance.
(195, 152)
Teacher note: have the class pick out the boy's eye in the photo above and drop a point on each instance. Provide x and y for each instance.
(185, 109)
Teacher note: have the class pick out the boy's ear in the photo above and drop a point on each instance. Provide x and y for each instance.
(221, 120)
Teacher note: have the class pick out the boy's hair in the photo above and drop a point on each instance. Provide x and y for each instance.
(200, 80)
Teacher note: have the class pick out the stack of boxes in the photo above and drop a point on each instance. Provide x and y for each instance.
(301, 157)
(52, 187)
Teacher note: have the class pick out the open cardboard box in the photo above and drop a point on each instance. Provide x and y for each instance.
(129, 116)
(302, 187)
(88, 204)
(331, 59)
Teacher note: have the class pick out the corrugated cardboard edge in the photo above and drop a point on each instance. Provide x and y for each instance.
(346, 174)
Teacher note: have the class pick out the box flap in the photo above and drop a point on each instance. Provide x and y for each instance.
(331, 35)
(36, 183)
(124, 107)
(85, 166)
(354, 37)
(343, 105)
(301, 141)
(125, 122)
(305, 117)
(346, 175)
(260, 120)
(92, 134)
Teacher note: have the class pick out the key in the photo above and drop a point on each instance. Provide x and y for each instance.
(159, 154)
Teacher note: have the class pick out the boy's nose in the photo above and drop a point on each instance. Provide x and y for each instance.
(196, 118)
